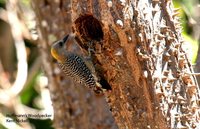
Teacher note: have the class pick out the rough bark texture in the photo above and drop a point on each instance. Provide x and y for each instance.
(75, 107)
(141, 57)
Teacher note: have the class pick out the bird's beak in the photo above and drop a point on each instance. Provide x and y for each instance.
(65, 38)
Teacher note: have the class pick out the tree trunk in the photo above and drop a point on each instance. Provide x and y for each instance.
(141, 57)
(75, 107)
(139, 54)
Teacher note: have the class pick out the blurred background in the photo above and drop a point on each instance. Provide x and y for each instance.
(24, 97)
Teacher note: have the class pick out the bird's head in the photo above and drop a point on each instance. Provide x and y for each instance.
(58, 49)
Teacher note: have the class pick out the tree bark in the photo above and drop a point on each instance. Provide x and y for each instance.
(141, 57)
(74, 105)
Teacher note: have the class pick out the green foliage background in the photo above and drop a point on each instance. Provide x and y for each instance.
(187, 15)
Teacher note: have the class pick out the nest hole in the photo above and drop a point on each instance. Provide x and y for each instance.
(89, 28)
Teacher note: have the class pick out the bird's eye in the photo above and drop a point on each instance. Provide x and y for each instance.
(60, 44)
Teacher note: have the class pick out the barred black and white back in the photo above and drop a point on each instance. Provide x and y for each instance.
(75, 67)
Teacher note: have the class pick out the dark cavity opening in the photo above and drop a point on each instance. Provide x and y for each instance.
(89, 27)
(105, 84)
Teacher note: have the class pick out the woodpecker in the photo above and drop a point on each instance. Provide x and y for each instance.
(75, 66)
